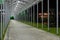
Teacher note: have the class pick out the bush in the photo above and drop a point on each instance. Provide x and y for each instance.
(12, 17)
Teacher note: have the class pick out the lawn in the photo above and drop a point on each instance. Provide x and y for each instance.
(45, 27)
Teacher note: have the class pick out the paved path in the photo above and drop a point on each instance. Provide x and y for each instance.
(20, 31)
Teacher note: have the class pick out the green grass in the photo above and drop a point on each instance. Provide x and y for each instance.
(5, 31)
(59, 32)
(45, 27)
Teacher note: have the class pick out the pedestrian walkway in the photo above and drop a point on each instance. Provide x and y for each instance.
(20, 31)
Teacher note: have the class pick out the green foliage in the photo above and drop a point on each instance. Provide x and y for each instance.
(12, 17)
(45, 27)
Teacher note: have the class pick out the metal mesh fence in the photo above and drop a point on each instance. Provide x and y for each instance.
(4, 18)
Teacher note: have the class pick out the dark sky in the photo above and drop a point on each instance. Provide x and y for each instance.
(59, 5)
(45, 5)
(52, 3)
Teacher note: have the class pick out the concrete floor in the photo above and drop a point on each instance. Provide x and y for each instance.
(19, 31)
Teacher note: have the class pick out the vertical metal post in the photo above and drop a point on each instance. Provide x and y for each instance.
(42, 14)
(31, 15)
(3, 17)
(21, 16)
(57, 16)
(37, 14)
(1, 21)
(27, 15)
(24, 15)
(48, 14)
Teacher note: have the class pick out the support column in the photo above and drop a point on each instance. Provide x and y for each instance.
(48, 15)
(37, 14)
(42, 14)
(57, 16)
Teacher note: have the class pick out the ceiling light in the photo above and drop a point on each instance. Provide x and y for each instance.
(21, 2)
(18, 1)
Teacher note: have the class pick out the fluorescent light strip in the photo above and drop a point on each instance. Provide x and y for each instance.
(20, 2)
(23, 1)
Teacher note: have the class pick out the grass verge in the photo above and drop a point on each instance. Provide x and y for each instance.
(45, 27)
(5, 32)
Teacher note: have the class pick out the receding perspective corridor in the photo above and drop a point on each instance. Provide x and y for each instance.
(29, 19)
(20, 31)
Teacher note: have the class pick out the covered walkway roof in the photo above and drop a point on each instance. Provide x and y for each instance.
(20, 5)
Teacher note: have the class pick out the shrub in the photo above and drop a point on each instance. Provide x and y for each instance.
(12, 17)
